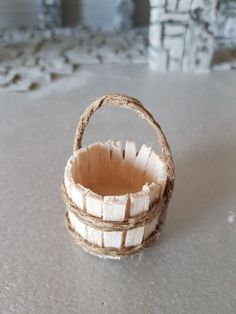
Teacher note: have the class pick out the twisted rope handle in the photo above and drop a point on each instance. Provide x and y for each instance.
(124, 101)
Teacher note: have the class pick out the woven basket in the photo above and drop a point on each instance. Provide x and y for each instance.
(116, 197)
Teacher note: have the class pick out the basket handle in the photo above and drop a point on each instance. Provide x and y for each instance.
(124, 101)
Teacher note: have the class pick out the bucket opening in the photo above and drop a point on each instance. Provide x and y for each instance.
(108, 169)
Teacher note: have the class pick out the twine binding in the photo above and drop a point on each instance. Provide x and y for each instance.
(108, 251)
(103, 225)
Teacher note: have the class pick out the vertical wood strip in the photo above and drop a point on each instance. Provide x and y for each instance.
(123, 239)
(103, 239)
(127, 215)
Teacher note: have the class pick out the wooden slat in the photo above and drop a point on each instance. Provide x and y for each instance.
(79, 227)
(150, 227)
(154, 192)
(139, 203)
(83, 166)
(94, 236)
(112, 239)
(68, 176)
(78, 194)
(94, 166)
(134, 237)
(94, 204)
(141, 163)
(116, 165)
(105, 164)
(129, 160)
(114, 207)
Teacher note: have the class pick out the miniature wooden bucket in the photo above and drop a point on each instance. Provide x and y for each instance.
(116, 197)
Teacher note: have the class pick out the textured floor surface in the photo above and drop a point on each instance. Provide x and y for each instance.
(191, 269)
(32, 59)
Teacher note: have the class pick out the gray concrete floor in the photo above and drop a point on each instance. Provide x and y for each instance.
(191, 269)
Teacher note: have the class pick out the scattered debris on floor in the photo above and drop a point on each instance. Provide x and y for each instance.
(30, 59)
(231, 217)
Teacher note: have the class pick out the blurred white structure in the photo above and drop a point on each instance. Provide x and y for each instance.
(51, 14)
(183, 34)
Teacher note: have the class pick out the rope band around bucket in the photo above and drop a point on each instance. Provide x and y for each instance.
(103, 225)
(109, 251)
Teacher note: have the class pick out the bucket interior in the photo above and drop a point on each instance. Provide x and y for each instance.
(109, 169)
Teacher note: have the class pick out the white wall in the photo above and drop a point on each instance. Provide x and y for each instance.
(97, 13)
(19, 13)
(94, 13)
(101, 12)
